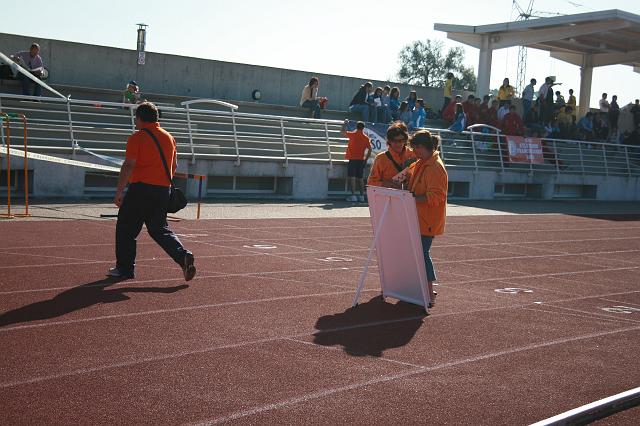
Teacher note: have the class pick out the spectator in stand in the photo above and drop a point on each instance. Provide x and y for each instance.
(411, 100)
(467, 106)
(572, 103)
(461, 120)
(614, 115)
(492, 114)
(633, 139)
(405, 114)
(32, 62)
(502, 111)
(483, 110)
(560, 102)
(386, 98)
(527, 96)
(131, 94)
(506, 93)
(419, 117)
(512, 124)
(449, 113)
(394, 103)
(585, 129)
(359, 103)
(565, 118)
(358, 153)
(309, 98)
(601, 126)
(604, 112)
(475, 112)
(545, 100)
(448, 90)
(635, 112)
(379, 108)
(391, 162)
(428, 182)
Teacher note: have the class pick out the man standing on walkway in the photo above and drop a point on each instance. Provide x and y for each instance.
(147, 196)
(358, 153)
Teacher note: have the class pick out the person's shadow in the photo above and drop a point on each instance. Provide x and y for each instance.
(371, 327)
(77, 298)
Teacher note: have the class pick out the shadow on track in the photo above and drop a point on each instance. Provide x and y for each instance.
(77, 298)
(370, 328)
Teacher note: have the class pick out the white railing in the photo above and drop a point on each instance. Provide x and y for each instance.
(202, 131)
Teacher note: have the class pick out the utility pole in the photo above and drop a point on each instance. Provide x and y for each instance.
(521, 76)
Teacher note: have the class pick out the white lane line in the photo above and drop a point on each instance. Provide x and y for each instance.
(169, 310)
(363, 355)
(354, 386)
(246, 343)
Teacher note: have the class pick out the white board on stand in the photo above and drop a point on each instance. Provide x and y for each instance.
(398, 245)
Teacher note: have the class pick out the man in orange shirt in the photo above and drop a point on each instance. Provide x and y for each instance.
(147, 196)
(359, 143)
(391, 162)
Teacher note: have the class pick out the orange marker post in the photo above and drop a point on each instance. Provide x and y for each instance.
(26, 168)
(5, 119)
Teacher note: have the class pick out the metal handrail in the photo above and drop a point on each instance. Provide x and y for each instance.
(209, 133)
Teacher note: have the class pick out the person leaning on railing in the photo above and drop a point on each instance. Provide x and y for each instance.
(428, 181)
(396, 158)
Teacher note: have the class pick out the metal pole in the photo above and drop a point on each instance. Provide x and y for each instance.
(199, 196)
(73, 139)
(500, 152)
(473, 147)
(555, 153)
(581, 158)
(626, 156)
(284, 144)
(326, 134)
(235, 136)
(26, 169)
(193, 154)
(604, 157)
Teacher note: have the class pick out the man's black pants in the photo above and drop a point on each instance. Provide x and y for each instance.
(146, 204)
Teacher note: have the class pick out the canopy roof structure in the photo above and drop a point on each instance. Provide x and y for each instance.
(589, 40)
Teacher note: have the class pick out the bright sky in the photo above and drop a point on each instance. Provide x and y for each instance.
(359, 38)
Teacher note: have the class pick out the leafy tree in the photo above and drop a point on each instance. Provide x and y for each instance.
(424, 63)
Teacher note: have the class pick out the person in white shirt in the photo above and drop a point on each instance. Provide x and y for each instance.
(527, 96)
(604, 109)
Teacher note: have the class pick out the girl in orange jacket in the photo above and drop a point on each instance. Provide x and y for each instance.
(428, 182)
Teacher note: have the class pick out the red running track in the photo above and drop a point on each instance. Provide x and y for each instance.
(265, 334)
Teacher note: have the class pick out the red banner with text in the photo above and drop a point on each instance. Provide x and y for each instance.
(525, 150)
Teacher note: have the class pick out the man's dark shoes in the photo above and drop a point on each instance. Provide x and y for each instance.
(117, 273)
(188, 268)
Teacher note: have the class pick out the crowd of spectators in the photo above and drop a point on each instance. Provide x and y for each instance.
(383, 105)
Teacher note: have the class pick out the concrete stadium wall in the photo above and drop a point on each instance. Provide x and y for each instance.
(78, 64)
(310, 181)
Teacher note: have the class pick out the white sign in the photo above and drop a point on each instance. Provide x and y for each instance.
(398, 246)
(141, 58)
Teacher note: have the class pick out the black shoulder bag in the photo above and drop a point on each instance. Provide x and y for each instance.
(398, 166)
(177, 199)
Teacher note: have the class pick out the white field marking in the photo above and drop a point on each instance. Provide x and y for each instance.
(512, 290)
(590, 316)
(324, 239)
(622, 302)
(621, 309)
(331, 391)
(336, 259)
(263, 274)
(590, 312)
(239, 344)
(339, 348)
(262, 246)
(198, 351)
(169, 310)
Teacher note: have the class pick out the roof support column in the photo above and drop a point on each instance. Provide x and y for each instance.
(586, 75)
(484, 66)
